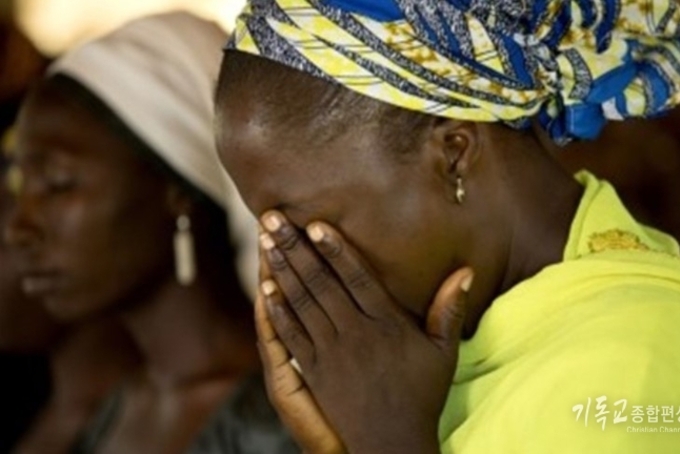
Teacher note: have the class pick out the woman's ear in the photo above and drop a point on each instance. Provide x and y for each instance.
(456, 146)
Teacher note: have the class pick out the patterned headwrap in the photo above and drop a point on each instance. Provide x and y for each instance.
(573, 64)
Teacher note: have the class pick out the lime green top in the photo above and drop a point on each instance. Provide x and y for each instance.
(582, 358)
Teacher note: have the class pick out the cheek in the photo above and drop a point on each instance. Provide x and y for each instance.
(109, 245)
(407, 244)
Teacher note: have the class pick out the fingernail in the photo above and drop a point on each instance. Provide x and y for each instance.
(467, 282)
(316, 233)
(268, 287)
(272, 222)
(267, 242)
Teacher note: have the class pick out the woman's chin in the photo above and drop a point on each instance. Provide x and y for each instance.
(69, 308)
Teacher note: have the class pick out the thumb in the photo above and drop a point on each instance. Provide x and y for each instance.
(447, 313)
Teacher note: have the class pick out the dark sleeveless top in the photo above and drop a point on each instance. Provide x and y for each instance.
(245, 424)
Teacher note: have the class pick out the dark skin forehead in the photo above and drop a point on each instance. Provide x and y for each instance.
(252, 140)
(53, 123)
(298, 108)
(294, 121)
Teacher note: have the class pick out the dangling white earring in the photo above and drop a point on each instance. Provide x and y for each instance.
(185, 257)
(460, 191)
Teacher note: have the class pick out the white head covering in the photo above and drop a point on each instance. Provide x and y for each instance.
(158, 75)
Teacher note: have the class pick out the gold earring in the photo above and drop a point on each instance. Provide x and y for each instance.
(460, 191)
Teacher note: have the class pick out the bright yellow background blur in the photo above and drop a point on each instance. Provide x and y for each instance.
(56, 25)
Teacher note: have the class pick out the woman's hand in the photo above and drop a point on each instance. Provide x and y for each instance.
(287, 391)
(380, 381)
(289, 394)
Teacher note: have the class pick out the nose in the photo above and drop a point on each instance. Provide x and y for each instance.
(22, 227)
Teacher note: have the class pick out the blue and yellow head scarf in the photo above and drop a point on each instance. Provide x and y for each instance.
(571, 64)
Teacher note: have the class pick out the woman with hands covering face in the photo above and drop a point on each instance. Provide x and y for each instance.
(407, 202)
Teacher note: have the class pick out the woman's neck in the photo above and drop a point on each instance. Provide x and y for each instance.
(539, 203)
(542, 222)
(186, 334)
(89, 361)
(87, 364)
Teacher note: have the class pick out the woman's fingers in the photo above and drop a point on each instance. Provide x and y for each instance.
(264, 272)
(288, 392)
(279, 324)
(320, 291)
(297, 297)
(368, 294)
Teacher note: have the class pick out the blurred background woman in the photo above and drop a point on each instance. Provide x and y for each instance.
(25, 327)
(55, 375)
(122, 212)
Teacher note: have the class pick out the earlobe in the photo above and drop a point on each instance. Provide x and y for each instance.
(178, 201)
